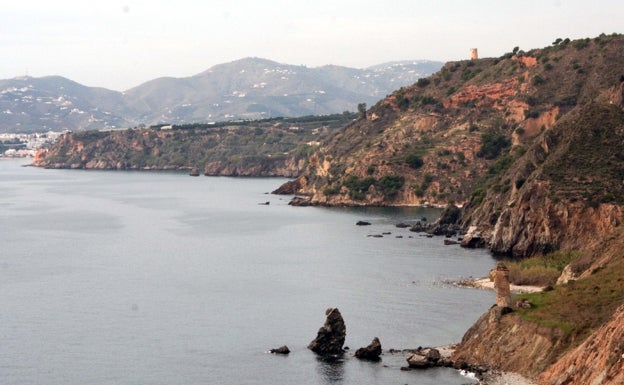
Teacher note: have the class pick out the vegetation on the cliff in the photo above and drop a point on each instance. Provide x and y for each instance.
(259, 148)
(539, 270)
(579, 306)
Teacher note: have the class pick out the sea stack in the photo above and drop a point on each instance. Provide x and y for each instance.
(331, 337)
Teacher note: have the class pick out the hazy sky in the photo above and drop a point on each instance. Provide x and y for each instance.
(119, 44)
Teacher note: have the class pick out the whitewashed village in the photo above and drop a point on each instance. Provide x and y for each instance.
(15, 145)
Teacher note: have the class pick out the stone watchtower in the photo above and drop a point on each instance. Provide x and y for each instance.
(501, 285)
(474, 55)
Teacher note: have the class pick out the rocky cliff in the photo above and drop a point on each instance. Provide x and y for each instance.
(507, 342)
(451, 136)
(567, 186)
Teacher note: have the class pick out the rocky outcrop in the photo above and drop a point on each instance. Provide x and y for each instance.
(370, 352)
(291, 187)
(505, 341)
(331, 337)
(423, 358)
(597, 361)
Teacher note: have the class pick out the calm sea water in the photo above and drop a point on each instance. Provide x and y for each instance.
(160, 278)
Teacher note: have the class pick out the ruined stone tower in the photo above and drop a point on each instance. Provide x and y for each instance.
(501, 284)
(474, 55)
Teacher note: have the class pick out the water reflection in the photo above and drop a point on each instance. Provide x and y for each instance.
(330, 369)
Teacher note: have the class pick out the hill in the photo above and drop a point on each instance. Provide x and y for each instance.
(270, 147)
(444, 136)
(250, 88)
(256, 88)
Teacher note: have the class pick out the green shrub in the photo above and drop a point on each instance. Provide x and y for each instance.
(331, 190)
(501, 165)
(423, 82)
(537, 80)
(403, 103)
(357, 186)
(414, 161)
(389, 185)
(478, 195)
(580, 44)
(428, 100)
(492, 144)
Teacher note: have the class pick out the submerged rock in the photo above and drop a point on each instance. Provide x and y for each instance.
(331, 337)
(371, 352)
(362, 223)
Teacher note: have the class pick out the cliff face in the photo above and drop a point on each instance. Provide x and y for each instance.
(564, 193)
(509, 343)
(597, 361)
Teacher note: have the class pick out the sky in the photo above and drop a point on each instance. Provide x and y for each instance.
(119, 44)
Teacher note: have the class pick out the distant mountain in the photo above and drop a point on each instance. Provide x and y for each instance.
(55, 103)
(249, 88)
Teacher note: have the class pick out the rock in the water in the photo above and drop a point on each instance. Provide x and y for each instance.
(371, 352)
(362, 223)
(331, 337)
(300, 201)
(281, 350)
(402, 225)
(424, 358)
(418, 227)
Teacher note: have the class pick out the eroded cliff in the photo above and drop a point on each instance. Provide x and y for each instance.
(597, 361)
(564, 193)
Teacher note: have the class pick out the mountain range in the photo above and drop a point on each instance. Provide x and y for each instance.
(250, 88)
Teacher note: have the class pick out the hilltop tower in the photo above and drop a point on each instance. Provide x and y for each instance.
(474, 55)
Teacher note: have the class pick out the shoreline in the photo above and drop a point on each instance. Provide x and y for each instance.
(487, 377)
(487, 284)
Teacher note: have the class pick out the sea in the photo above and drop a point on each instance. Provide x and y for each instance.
(115, 277)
